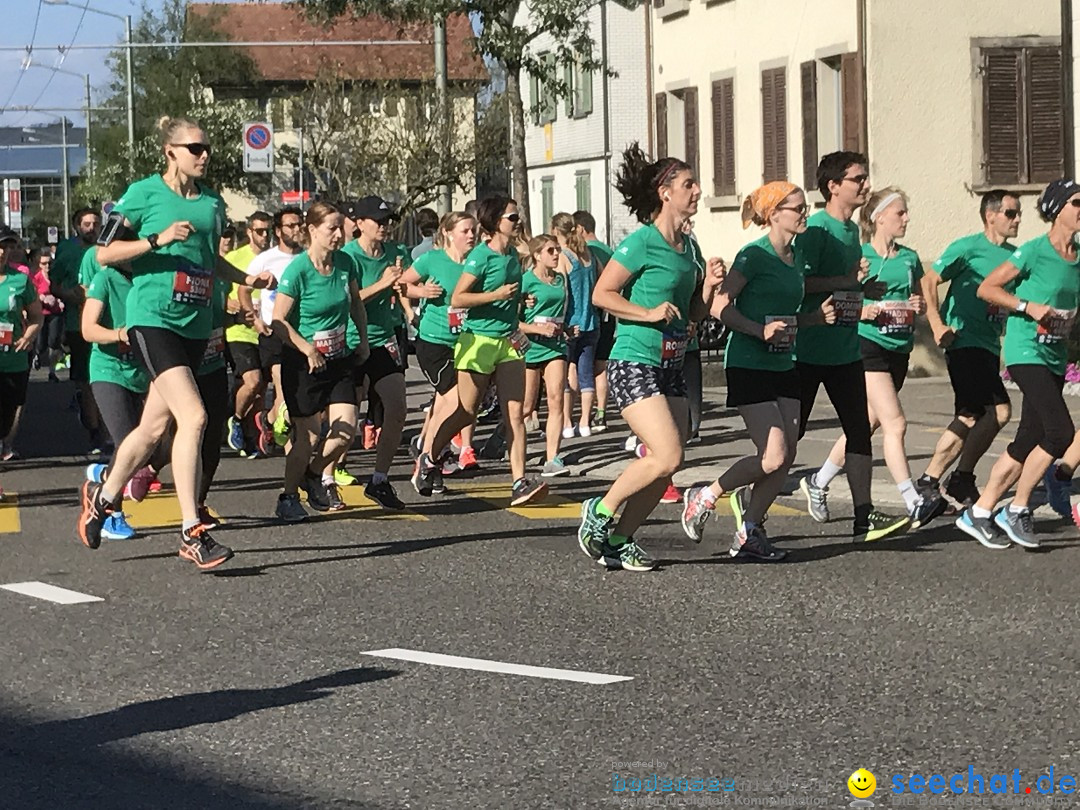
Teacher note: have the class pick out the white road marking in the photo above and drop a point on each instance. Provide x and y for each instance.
(457, 662)
(51, 593)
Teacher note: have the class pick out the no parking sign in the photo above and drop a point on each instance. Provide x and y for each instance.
(258, 147)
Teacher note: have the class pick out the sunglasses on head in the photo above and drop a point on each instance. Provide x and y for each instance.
(196, 149)
(1010, 213)
(512, 217)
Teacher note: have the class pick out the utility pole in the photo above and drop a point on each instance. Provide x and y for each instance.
(301, 161)
(1067, 67)
(66, 178)
(446, 200)
(89, 154)
(130, 98)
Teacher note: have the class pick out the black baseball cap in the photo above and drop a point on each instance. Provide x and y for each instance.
(372, 207)
(8, 235)
(348, 208)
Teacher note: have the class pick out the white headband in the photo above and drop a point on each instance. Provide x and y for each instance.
(881, 206)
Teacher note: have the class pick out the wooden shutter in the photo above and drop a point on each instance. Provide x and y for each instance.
(1045, 115)
(852, 102)
(690, 126)
(568, 80)
(1003, 115)
(723, 133)
(809, 123)
(583, 90)
(774, 124)
(658, 3)
(661, 126)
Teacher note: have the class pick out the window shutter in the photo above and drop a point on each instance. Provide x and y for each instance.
(583, 100)
(852, 101)
(723, 123)
(571, 88)
(690, 126)
(1003, 115)
(658, 3)
(774, 124)
(809, 123)
(661, 126)
(1045, 116)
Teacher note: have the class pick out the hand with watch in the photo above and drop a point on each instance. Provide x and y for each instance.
(1037, 312)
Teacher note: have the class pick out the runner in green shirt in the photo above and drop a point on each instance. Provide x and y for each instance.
(1042, 309)
(969, 330)
(544, 322)
(317, 299)
(491, 345)
(830, 355)
(602, 253)
(167, 227)
(887, 333)
(432, 279)
(655, 285)
(761, 300)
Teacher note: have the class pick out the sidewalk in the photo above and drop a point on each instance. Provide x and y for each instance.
(928, 403)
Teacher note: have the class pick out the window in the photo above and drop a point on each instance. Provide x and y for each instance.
(774, 124)
(579, 86)
(661, 125)
(1022, 117)
(723, 137)
(543, 100)
(690, 126)
(547, 201)
(583, 187)
(832, 109)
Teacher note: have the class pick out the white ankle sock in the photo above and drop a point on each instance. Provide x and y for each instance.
(911, 495)
(979, 512)
(1016, 510)
(824, 476)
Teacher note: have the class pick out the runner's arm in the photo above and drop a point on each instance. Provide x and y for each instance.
(283, 305)
(34, 319)
(92, 330)
(607, 294)
(462, 298)
(930, 281)
(358, 313)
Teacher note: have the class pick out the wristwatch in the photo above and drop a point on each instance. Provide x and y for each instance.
(152, 239)
(1021, 308)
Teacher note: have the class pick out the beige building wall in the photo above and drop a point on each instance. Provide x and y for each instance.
(696, 43)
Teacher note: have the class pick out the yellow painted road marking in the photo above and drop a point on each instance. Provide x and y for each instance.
(363, 507)
(554, 507)
(9, 514)
(158, 510)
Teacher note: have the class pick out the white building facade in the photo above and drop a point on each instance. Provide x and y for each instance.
(573, 146)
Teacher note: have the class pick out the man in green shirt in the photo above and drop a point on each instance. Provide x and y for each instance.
(66, 287)
(586, 225)
(969, 330)
(830, 354)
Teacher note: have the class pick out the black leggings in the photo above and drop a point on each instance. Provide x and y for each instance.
(214, 390)
(846, 387)
(13, 385)
(692, 374)
(1044, 416)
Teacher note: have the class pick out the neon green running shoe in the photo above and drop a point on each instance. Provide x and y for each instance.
(281, 427)
(344, 478)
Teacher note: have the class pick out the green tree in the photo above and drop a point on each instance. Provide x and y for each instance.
(173, 81)
(505, 38)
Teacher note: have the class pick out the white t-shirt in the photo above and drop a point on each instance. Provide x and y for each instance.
(275, 260)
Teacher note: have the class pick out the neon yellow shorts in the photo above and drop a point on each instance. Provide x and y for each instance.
(480, 354)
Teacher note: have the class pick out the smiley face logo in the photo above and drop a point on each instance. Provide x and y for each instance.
(862, 784)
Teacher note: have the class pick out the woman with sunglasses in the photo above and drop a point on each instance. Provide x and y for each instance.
(655, 285)
(886, 337)
(546, 303)
(50, 338)
(432, 279)
(168, 227)
(759, 302)
(490, 346)
(1039, 286)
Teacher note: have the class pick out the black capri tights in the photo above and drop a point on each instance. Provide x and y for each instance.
(846, 387)
(214, 390)
(1044, 417)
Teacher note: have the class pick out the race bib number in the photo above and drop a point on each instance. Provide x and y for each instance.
(520, 342)
(7, 337)
(895, 318)
(848, 305)
(456, 319)
(545, 319)
(672, 351)
(330, 343)
(996, 314)
(215, 346)
(787, 339)
(192, 285)
(393, 348)
(1057, 328)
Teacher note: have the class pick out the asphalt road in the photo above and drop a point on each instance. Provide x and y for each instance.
(253, 687)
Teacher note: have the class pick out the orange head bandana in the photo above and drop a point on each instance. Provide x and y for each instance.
(761, 203)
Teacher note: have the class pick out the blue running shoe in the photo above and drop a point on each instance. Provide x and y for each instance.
(96, 473)
(117, 528)
(236, 434)
(1058, 492)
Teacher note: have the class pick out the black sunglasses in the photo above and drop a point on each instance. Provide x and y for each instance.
(859, 179)
(798, 209)
(261, 231)
(196, 149)
(1010, 213)
(512, 217)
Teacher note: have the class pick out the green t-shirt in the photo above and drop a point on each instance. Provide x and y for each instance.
(65, 275)
(241, 259)
(829, 247)
(773, 290)
(321, 306)
(658, 273)
(384, 312)
(550, 306)
(173, 286)
(492, 270)
(214, 354)
(435, 327)
(89, 267)
(964, 264)
(601, 252)
(113, 362)
(16, 293)
(1045, 278)
(894, 327)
